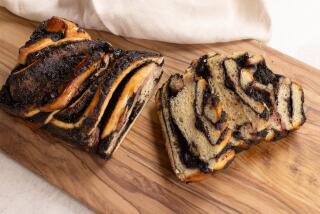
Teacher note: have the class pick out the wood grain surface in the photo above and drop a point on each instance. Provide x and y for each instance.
(282, 177)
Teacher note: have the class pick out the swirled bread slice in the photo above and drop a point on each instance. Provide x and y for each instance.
(221, 106)
(81, 90)
(197, 138)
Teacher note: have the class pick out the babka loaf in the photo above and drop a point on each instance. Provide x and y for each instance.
(81, 90)
(220, 106)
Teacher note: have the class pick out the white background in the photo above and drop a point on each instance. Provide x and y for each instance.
(296, 29)
(296, 32)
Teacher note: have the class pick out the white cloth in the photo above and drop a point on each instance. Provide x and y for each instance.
(177, 21)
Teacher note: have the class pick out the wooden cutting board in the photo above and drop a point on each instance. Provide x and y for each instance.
(282, 177)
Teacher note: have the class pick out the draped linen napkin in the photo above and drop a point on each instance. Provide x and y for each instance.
(176, 21)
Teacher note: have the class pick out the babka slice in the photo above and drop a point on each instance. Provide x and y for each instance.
(220, 106)
(197, 138)
(81, 90)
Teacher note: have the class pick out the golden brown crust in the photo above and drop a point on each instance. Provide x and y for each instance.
(71, 32)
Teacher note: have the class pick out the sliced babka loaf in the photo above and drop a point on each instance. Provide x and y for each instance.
(222, 105)
(81, 90)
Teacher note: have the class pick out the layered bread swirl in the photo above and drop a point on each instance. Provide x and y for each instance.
(220, 106)
(82, 90)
